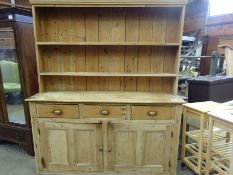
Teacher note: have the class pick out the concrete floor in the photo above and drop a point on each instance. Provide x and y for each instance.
(14, 161)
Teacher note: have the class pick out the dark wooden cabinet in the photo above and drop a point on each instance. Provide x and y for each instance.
(18, 76)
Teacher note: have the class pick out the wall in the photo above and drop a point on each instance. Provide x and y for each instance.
(195, 17)
(220, 26)
(18, 3)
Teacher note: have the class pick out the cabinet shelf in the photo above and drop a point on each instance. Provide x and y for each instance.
(107, 74)
(106, 44)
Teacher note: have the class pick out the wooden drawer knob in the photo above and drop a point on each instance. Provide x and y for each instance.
(104, 112)
(152, 113)
(109, 149)
(57, 112)
(101, 148)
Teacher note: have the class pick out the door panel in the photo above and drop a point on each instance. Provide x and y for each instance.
(88, 147)
(139, 147)
(57, 139)
(67, 146)
(125, 140)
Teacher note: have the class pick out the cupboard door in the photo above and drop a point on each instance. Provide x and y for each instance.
(139, 147)
(67, 146)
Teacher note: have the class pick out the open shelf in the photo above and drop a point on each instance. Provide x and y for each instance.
(194, 148)
(221, 166)
(107, 74)
(224, 150)
(106, 44)
(195, 135)
(192, 163)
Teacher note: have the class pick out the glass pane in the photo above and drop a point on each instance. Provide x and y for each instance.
(10, 77)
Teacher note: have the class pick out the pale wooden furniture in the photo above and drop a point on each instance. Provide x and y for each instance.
(220, 156)
(228, 59)
(194, 153)
(108, 74)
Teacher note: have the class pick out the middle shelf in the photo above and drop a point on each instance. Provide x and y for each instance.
(108, 43)
(108, 74)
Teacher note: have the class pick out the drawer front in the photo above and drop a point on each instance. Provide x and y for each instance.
(153, 112)
(57, 111)
(102, 111)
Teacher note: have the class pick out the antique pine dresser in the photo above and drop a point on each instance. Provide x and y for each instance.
(108, 73)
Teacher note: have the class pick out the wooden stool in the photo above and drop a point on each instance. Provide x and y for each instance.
(197, 111)
(220, 156)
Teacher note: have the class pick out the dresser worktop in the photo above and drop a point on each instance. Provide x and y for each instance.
(107, 97)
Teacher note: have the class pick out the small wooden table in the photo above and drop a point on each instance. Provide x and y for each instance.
(220, 156)
(198, 111)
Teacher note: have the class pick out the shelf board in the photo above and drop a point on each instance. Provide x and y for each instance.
(223, 149)
(106, 44)
(107, 97)
(107, 74)
(195, 135)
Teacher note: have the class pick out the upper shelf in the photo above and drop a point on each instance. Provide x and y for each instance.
(106, 44)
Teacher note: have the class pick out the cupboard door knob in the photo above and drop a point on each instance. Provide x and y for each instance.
(109, 150)
(101, 148)
(104, 112)
(152, 113)
(57, 112)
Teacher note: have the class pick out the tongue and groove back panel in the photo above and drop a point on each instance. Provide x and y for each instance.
(108, 49)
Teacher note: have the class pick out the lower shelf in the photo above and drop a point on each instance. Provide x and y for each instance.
(192, 162)
(193, 148)
(221, 166)
(220, 161)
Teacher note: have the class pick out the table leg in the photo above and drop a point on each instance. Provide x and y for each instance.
(231, 162)
(209, 146)
(184, 134)
(202, 124)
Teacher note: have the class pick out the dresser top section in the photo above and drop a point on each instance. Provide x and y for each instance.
(107, 97)
(109, 2)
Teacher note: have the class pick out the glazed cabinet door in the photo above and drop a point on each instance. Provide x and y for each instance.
(139, 147)
(68, 146)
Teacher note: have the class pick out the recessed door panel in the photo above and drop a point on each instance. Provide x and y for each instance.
(139, 147)
(70, 146)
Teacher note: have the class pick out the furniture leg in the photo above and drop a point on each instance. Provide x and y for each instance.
(200, 144)
(209, 146)
(184, 134)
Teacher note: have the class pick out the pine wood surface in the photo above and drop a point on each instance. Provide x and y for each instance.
(199, 111)
(107, 97)
(108, 73)
(204, 107)
(139, 45)
(225, 115)
(228, 59)
(223, 162)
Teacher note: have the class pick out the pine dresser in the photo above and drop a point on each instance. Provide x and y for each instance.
(108, 73)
